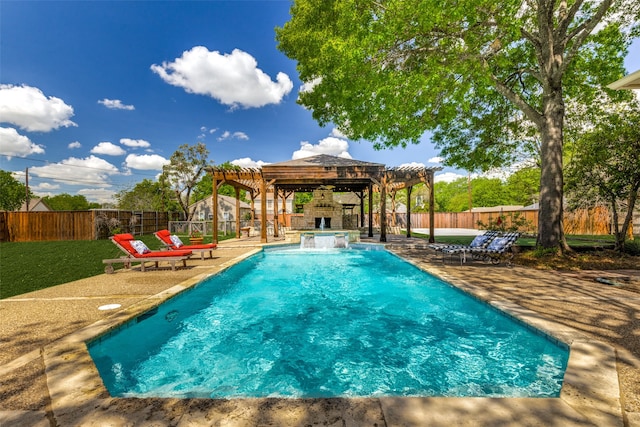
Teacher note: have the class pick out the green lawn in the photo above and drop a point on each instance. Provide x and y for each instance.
(29, 266)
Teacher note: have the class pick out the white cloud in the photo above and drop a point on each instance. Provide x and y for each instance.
(235, 135)
(330, 145)
(246, 162)
(74, 144)
(29, 109)
(308, 86)
(437, 160)
(447, 177)
(44, 187)
(135, 143)
(98, 195)
(145, 161)
(108, 149)
(14, 144)
(116, 104)
(336, 132)
(73, 171)
(233, 79)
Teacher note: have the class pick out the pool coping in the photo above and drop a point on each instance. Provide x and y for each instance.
(590, 392)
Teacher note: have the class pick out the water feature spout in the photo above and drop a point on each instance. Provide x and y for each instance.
(322, 224)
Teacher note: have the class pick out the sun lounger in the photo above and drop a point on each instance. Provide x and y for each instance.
(136, 251)
(479, 241)
(500, 249)
(497, 249)
(173, 242)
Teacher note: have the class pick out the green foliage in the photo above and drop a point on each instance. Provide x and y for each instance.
(301, 199)
(519, 189)
(12, 192)
(67, 202)
(524, 186)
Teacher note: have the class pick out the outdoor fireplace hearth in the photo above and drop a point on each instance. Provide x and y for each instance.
(322, 212)
(323, 224)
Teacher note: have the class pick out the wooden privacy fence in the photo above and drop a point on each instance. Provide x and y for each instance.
(94, 224)
(77, 225)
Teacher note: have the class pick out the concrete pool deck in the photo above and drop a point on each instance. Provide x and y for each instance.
(47, 377)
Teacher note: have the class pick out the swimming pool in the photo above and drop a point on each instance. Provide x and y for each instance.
(308, 323)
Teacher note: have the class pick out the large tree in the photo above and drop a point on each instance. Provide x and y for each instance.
(184, 170)
(491, 79)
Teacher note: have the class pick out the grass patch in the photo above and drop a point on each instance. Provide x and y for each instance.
(30, 266)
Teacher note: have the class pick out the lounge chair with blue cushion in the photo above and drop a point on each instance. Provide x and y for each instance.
(480, 241)
(173, 242)
(498, 249)
(501, 248)
(137, 251)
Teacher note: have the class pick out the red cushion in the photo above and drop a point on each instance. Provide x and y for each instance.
(124, 240)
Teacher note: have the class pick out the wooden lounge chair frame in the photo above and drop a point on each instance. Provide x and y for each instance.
(172, 257)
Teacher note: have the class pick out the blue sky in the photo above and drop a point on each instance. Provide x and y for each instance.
(98, 95)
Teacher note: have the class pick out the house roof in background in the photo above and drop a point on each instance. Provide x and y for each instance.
(35, 203)
(632, 81)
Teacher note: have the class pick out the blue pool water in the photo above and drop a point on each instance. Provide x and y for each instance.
(300, 323)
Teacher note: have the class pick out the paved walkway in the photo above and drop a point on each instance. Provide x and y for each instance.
(48, 379)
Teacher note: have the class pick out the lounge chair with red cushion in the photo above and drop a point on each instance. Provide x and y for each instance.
(137, 251)
(173, 242)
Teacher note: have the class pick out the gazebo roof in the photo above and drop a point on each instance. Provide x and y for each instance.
(309, 173)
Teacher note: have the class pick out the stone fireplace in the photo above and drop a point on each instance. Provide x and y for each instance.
(322, 206)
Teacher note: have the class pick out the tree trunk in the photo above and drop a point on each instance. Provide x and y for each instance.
(621, 235)
(550, 232)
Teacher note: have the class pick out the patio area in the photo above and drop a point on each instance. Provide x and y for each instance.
(47, 377)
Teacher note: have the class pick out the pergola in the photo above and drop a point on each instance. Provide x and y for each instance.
(310, 173)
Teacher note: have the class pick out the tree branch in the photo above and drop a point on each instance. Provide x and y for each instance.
(565, 20)
(581, 33)
(517, 100)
